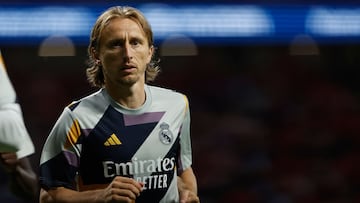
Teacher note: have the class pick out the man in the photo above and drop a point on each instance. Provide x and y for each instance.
(15, 144)
(129, 141)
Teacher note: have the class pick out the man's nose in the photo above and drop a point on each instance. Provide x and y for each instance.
(128, 52)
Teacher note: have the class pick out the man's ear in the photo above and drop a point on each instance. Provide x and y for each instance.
(151, 52)
(95, 54)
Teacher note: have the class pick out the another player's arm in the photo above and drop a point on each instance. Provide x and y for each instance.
(23, 180)
(187, 186)
(121, 189)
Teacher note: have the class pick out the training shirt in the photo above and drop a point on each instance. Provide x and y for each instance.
(7, 92)
(96, 139)
(13, 133)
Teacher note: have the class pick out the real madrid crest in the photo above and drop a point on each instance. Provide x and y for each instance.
(165, 134)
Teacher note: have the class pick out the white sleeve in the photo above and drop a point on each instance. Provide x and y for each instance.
(7, 91)
(13, 133)
(185, 140)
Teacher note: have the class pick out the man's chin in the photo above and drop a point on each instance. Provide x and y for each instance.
(128, 81)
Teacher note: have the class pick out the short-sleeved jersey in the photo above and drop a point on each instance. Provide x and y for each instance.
(13, 133)
(96, 139)
(7, 91)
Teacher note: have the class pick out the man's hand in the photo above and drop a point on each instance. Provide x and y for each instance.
(188, 187)
(187, 196)
(122, 189)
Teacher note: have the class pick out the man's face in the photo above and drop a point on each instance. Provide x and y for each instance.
(124, 52)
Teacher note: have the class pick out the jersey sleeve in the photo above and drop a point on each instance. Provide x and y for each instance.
(7, 91)
(60, 156)
(185, 159)
(14, 136)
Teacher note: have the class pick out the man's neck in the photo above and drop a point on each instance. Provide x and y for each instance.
(131, 97)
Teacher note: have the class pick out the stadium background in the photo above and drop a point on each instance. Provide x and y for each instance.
(275, 115)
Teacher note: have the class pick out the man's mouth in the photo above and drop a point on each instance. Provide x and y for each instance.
(128, 67)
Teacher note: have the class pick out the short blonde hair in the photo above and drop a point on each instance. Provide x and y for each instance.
(94, 71)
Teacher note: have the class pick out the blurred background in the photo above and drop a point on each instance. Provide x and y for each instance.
(273, 87)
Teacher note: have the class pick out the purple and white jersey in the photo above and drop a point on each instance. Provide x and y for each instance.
(96, 139)
(14, 136)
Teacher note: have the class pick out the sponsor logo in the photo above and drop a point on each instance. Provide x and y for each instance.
(141, 168)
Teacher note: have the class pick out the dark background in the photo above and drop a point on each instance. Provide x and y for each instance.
(267, 126)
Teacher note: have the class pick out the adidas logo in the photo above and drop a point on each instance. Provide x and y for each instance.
(112, 140)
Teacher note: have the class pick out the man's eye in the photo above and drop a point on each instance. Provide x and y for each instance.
(135, 42)
(117, 44)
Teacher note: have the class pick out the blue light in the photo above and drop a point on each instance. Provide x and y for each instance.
(210, 21)
(333, 21)
(214, 23)
(45, 21)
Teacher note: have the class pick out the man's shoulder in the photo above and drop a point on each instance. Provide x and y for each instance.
(168, 95)
(88, 101)
(165, 91)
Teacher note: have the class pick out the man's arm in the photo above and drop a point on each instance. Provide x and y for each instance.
(65, 195)
(23, 180)
(188, 187)
(121, 189)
